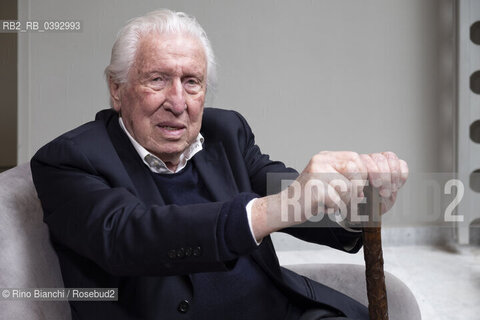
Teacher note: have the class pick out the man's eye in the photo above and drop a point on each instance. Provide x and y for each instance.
(157, 82)
(192, 85)
(192, 82)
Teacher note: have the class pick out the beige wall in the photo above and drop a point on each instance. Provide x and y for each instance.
(308, 75)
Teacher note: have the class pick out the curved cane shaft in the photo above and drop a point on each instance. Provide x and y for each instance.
(372, 250)
(376, 290)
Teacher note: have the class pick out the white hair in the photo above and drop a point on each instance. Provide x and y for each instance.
(162, 21)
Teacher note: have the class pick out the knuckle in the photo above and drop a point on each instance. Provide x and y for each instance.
(364, 159)
(318, 157)
(390, 155)
(353, 155)
(376, 156)
(352, 167)
(313, 161)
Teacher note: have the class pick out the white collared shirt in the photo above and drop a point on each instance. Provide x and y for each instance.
(154, 163)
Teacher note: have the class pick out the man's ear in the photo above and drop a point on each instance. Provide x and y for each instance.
(115, 94)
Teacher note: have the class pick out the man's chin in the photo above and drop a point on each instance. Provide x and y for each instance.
(171, 154)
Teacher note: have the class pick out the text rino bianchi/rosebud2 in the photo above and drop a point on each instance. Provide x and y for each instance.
(66, 294)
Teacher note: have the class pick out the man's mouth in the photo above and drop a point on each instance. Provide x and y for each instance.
(171, 130)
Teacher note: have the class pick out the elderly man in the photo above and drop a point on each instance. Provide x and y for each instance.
(167, 201)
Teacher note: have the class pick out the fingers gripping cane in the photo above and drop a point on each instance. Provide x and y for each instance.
(372, 250)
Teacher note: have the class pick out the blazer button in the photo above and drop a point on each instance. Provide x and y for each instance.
(180, 253)
(197, 252)
(172, 254)
(183, 306)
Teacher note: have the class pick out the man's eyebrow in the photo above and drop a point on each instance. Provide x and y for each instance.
(198, 75)
(149, 73)
(145, 74)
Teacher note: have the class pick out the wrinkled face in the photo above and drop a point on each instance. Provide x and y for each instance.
(162, 102)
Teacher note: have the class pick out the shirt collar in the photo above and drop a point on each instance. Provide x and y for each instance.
(154, 163)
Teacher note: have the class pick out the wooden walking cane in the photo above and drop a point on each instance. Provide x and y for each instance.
(372, 250)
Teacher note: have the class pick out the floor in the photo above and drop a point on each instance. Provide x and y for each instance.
(444, 279)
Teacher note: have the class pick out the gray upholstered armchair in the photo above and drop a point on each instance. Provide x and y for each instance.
(27, 260)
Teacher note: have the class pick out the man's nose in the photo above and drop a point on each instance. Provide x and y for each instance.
(175, 97)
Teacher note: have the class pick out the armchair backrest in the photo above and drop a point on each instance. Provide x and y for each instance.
(27, 258)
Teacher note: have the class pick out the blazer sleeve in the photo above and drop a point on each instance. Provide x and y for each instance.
(112, 227)
(266, 175)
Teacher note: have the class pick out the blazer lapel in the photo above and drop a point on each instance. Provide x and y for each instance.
(140, 175)
(214, 168)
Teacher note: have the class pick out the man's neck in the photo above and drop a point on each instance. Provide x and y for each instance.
(171, 166)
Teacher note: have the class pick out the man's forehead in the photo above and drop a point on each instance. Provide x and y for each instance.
(155, 50)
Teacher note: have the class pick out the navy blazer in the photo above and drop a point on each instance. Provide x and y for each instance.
(111, 228)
